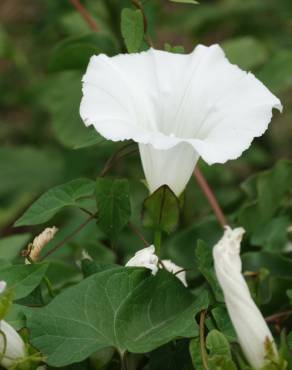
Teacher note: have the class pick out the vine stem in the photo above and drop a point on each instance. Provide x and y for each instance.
(210, 196)
(278, 316)
(202, 340)
(68, 237)
(85, 15)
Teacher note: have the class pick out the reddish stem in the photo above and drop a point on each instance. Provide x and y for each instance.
(210, 196)
(85, 15)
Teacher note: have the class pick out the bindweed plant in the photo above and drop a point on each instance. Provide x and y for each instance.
(108, 270)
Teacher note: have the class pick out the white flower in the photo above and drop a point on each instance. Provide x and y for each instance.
(177, 108)
(15, 348)
(249, 324)
(174, 269)
(145, 258)
(3, 286)
(39, 242)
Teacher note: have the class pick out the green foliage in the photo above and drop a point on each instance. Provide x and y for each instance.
(113, 205)
(161, 210)
(247, 52)
(23, 279)
(75, 52)
(97, 303)
(71, 194)
(11, 246)
(132, 28)
(174, 49)
(61, 98)
(204, 262)
(99, 307)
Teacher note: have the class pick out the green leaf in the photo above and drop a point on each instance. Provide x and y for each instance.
(196, 354)
(161, 210)
(11, 246)
(15, 316)
(217, 344)
(75, 52)
(23, 279)
(56, 199)
(267, 192)
(152, 323)
(204, 262)
(113, 204)
(95, 314)
(223, 323)
(132, 27)
(92, 267)
(277, 73)
(247, 52)
(83, 319)
(185, 1)
(174, 49)
(61, 97)
(273, 235)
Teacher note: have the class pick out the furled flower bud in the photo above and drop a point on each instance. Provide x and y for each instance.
(145, 258)
(252, 331)
(176, 270)
(12, 347)
(39, 242)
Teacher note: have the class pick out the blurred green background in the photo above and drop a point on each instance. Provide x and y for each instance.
(45, 46)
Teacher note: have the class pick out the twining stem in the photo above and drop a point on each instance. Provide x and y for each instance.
(202, 340)
(68, 237)
(157, 242)
(210, 197)
(85, 15)
(117, 156)
(278, 316)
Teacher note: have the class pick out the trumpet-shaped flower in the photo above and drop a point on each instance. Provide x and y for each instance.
(252, 331)
(177, 108)
(145, 258)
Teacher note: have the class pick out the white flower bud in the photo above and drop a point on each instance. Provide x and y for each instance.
(85, 255)
(145, 258)
(12, 348)
(40, 241)
(174, 269)
(250, 326)
(3, 286)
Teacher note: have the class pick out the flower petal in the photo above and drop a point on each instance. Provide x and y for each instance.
(164, 99)
(145, 258)
(171, 167)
